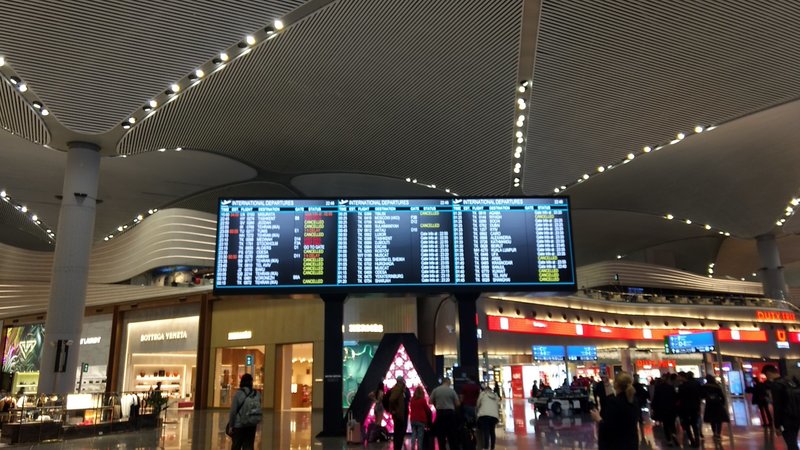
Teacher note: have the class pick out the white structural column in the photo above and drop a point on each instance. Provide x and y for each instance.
(65, 311)
(771, 270)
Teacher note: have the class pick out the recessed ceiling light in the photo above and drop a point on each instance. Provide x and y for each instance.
(521, 89)
(278, 24)
(516, 180)
(586, 176)
(224, 57)
(199, 73)
(619, 256)
(521, 118)
(45, 112)
(153, 103)
(601, 169)
(162, 150)
(754, 274)
(707, 227)
(563, 187)
(126, 125)
(119, 228)
(175, 88)
(34, 217)
(520, 140)
(727, 233)
(631, 156)
(179, 149)
(698, 129)
(647, 149)
(742, 278)
(680, 136)
(3, 194)
(556, 190)
(433, 186)
(140, 217)
(688, 222)
(408, 180)
(521, 104)
(105, 238)
(49, 231)
(669, 216)
(519, 134)
(250, 40)
(149, 211)
(132, 120)
(779, 223)
(516, 169)
(22, 87)
(14, 80)
(24, 208)
(414, 180)
(123, 156)
(2, 61)
(37, 105)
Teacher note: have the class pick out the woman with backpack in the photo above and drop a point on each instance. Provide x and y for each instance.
(716, 409)
(244, 416)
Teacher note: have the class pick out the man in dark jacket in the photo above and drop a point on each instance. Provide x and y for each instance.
(399, 397)
(786, 416)
(665, 406)
(689, 400)
(761, 399)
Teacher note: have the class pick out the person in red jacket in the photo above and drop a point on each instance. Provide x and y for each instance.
(420, 415)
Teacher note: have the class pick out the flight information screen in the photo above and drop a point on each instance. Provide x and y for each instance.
(548, 353)
(689, 343)
(581, 353)
(376, 245)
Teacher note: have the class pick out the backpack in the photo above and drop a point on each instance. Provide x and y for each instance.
(250, 411)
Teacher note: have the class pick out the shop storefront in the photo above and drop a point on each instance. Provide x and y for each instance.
(159, 350)
(280, 342)
(95, 346)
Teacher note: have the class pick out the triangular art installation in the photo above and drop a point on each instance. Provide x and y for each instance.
(398, 354)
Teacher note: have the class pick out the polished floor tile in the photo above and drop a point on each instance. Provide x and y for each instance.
(521, 428)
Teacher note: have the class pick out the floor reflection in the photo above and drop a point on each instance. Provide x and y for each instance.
(521, 428)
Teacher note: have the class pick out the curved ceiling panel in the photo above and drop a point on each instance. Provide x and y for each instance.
(19, 230)
(359, 185)
(93, 63)
(207, 201)
(738, 177)
(171, 237)
(17, 117)
(601, 235)
(427, 92)
(614, 76)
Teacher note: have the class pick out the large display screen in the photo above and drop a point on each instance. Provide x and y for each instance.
(377, 245)
(581, 353)
(690, 343)
(548, 353)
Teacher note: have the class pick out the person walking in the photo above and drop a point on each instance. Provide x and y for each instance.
(420, 416)
(665, 407)
(689, 401)
(716, 407)
(784, 404)
(618, 419)
(244, 432)
(398, 407)
(488, 410)
(445, 400)
(761, 400)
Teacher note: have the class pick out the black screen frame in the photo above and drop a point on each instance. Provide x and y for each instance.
(388, 288)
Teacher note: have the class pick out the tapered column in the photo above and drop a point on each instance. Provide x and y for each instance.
(467, 338)
(332, 413)
(70, 270)
(771, 270)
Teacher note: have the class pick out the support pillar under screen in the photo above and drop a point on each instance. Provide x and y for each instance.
(467, 337)
(70, 274)
(332, 413)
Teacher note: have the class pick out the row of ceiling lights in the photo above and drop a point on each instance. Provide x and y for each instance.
(161, 150)
(127, 226)
(430, 186)
(789, 211)
(217, 63)
(30, 215)
(520, 131)
(20, 86)
(711, 272)
(706, 227)
(631, 156)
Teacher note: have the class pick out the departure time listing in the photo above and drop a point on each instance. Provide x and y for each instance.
(307, 243)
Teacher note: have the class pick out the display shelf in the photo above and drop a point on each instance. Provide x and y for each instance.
(152, 378)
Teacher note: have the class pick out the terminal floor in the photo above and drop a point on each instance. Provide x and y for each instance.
(521, 429)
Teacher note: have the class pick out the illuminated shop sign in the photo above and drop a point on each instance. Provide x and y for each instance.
(168, 336)
(365, 328)
(545, 327)
(90, 340)
(782, 339)
(240, 335)
(776, 316)
(647, 364)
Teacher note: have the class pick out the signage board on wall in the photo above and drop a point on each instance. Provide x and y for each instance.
(23, 348)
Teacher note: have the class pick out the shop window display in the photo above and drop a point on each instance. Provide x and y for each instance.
(232, 363)
(356, 359)
(21, 357)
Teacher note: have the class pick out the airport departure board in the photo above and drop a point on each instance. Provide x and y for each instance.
(548, 352)
(689, 343)
(379, 245)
